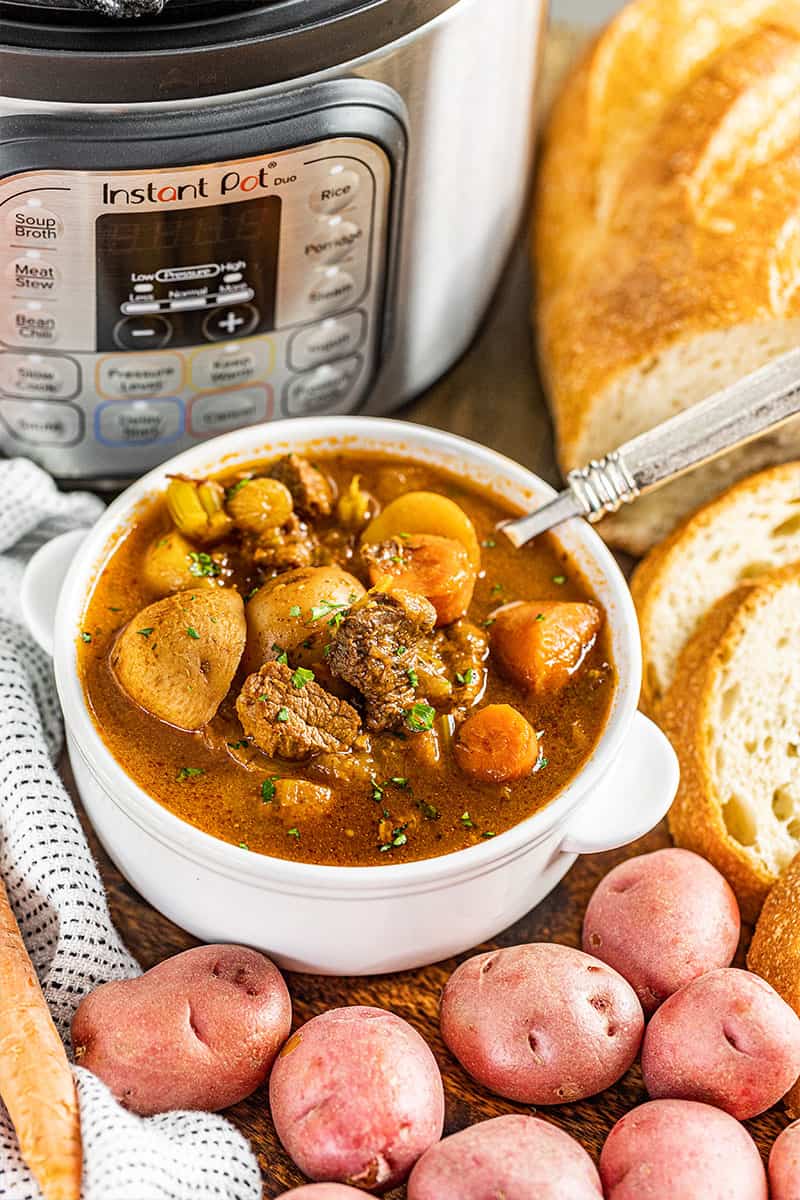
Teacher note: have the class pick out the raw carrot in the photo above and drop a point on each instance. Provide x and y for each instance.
(36, 1082)
(496, 744)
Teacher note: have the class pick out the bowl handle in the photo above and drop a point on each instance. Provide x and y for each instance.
(632, 798)
(41, 584)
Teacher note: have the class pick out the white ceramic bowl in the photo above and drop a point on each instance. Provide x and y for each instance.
(352, 920)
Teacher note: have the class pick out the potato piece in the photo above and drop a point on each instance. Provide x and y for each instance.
(356, 1097)
(172, 563)
(177, 657)
(433, 566)
(541, 644)
(425, 512)
(260, 504)
(784, 1165)
(679, 1150)
(514, 1157)
(661, 920)
(726, 1039)
(198, 1031)
(496, 744)
(542, 1024)
(297, 606)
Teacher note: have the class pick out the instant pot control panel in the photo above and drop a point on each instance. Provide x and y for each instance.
(143, 310)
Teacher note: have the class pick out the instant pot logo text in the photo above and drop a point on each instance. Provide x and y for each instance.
(162, 192)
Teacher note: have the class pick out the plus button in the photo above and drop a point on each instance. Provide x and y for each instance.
(231, 323)
(238, 320)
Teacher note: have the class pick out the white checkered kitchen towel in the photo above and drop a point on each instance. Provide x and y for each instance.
(60, 905)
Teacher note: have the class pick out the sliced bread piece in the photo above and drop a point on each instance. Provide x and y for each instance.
(775, 949)
(750, 529)
(733, 717)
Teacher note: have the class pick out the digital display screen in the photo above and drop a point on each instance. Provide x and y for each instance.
(163, 277)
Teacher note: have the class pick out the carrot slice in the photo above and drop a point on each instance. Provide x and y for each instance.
(436, 567)
(36, 1082)
(496, 744)
(541, 644)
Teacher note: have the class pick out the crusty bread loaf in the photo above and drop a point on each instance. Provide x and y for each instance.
(751, 528)
(733, 717)
(667, 234)
(775, 949)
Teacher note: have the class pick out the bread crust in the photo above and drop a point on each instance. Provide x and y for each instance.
(696, 819)
(666, 213)
(774, 952)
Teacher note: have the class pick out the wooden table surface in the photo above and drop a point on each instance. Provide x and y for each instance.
(491, 395)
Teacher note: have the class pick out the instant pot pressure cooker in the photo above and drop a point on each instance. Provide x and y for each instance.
(233, 211)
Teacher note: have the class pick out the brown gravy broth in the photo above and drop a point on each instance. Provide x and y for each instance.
(438, 807)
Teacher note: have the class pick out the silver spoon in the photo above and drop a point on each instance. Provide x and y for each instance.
(748, 408)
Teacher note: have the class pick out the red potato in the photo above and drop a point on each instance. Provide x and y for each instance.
(726, 1039)
(679, 1150)
(356, 1097)
(784, 1165)
(438, 568)
(198, 1031)
(542, 1024)
(661, 920)
(323, 1191)
(540, 645)
(496, 744)
(513, 1157)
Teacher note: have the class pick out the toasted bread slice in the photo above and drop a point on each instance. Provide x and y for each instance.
(733, 717)
(775, 949)
(752, 528)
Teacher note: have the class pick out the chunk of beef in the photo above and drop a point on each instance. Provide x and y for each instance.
(293, 722)
(374, 651)
(293, 545)
(464, 648)
(310, 489)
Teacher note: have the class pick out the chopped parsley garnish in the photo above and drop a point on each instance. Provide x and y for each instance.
(377, 792)
(190, 772)
(400, 650)
(203, 565)
(145, 633)
(467, 821)
(396, 558)
(294, 611)
(333, 611)
(283, 714)
(399, 838)
(420, 717)
(489, 543)
(283, 657)
(429, 811)
(192, 633)
(398, 781)
(488, 622)
(559, 579)
(540, 616)
(490, 833)
(301, 677)
(113, 608)
(413, 677)
(293, 832)
(243, 846)
(541, 764)
(250, 594)
(496, 588)
(237, 487)
(86, 637)
(467, 677)
(242, 745)
(268, 789)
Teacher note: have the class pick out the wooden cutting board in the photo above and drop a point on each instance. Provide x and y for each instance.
(492, 396)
